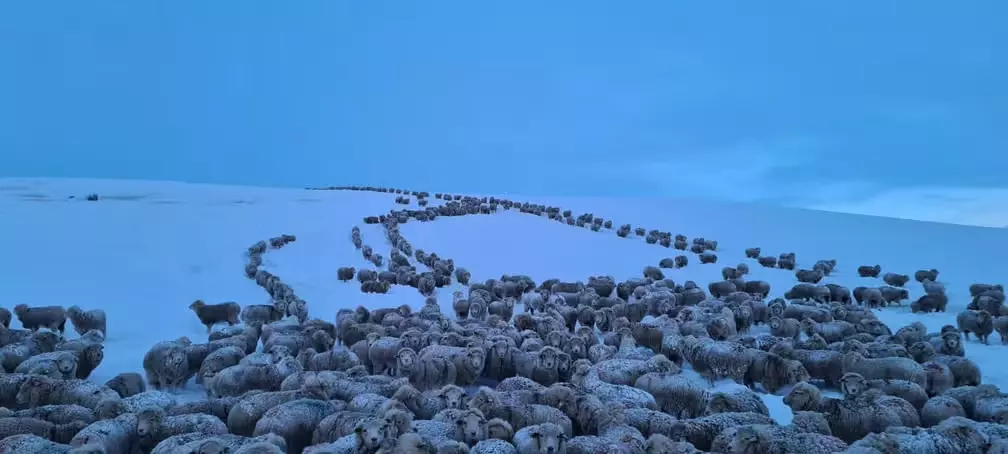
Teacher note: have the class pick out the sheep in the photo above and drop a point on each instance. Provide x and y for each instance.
(773, 372)
(544, 438)
(834, 331)
(65, 362)
(154, 425)
(295, 421)
(979, 322)
(519, 415)
(84, 321)
(708, 257)
(37, 390)
(219, 360)
(771, 439)
(926, 275)
(785, 327)
(259, 315)
(940, 408)
(824, 365)
(885, 368)
(675, 394)
(469, 362)
(607, 392)
(909, 391)
(59, 433)
(895, 280)
(736, 400)
(235, 380)
(127, 384)
(491, 446)
(701, 432)
(33, 318)
(212, 314)
(426, 372)
(57, 414)
(427, 404)
(1001, 326)
(869, 271)
(167, 364)
(753, 252)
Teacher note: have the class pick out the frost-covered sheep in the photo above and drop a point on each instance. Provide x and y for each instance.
(701, 432)
(869, 271)
(107, 436)
(469, 362)
(940, 408)
(885, 368)
(834, 331)
(213, 314)
(167, 364)
(708, 257)
(345, 273)
(295, 421)
(427, 404)
(33, 318)
(734, 401)
(516, 413)
(979, 322)
(895, 280)
(926, 275)
(153, 426)
(1001, 326)
(430, 372)
(676, 394)
(219, 360)
(258, 315)
(84, 321)
(65, 363)
(60, 433)
(37, 390)
(545, 438)
(773, 372)
(236, 380)
(785, 327)
(492, 446)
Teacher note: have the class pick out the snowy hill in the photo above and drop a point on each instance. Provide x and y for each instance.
(146, 250)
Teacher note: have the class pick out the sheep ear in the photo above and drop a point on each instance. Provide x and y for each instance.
(358, 429)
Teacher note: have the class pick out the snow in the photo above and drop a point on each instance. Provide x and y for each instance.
(148, 249)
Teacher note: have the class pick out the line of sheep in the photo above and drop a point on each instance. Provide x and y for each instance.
(991, 295)
(587, 367)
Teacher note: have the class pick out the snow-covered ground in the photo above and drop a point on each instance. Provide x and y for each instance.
(148, 249)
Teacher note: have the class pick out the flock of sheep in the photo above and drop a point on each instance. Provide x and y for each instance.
(522, 367)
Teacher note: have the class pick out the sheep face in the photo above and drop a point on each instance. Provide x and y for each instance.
(452, 396)
(804, 396)
(149, 422)
(852, 385)
(471, 426)
(951, 341)
(476, 357)
(406, 359)
(67, 365)
(370, 433)
(548, 440)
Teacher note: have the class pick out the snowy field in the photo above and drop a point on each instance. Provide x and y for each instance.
(148, 249)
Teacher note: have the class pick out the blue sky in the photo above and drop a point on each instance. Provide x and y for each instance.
(861, 106)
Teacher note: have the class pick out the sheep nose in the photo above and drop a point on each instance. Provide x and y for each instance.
(374, 439)
(550, 450)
